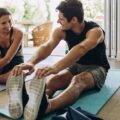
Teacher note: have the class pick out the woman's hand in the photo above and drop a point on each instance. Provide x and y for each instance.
(17, 70)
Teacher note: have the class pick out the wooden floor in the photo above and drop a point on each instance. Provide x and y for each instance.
(114, 64)
(109, 112)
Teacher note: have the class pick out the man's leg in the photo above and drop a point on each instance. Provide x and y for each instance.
(58, 82)
(79, 83)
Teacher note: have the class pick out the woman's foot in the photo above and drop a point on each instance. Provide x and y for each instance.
(37, 103)
(14, 88)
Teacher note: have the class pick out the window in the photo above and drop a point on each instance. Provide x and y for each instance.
(112, 28)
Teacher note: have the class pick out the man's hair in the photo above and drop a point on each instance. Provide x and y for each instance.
(4, 11)
(71, 8)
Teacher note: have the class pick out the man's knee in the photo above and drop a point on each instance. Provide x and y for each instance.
(83, 81)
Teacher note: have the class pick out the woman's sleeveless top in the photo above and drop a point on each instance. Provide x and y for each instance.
(17, 59)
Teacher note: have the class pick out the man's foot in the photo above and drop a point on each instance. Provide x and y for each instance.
(14, 88)
(37, 103)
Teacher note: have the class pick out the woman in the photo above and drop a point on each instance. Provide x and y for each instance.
(10, 45)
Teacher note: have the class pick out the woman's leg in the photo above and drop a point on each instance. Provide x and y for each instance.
(4, 77)
(14, 86)
(38, 103)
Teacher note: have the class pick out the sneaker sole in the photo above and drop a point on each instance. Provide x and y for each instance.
(14, 90)
(37, 87)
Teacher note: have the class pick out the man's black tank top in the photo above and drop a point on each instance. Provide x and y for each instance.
(97, 55)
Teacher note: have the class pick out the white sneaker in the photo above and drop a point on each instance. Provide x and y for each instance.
(37, 88)
(14, 88)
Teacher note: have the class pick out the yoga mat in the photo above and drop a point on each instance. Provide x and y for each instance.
(91, 101)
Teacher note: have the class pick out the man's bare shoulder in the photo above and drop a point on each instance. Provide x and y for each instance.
(97, 33)
(95, 30)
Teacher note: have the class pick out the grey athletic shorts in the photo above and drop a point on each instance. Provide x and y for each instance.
(98, 72)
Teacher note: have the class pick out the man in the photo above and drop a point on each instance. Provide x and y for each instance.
(84, 67)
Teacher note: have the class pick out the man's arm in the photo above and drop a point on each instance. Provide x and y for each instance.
(93, 38)
(42, 52)
(46, 49)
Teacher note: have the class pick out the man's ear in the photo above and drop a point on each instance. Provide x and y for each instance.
(74, 20)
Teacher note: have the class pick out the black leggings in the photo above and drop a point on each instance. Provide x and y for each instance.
(43, 106)
(15, 61)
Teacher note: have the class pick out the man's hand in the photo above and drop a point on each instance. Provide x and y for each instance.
(42, 72)
(17, 70)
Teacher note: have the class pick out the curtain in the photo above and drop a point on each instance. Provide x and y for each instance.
(112, 28)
